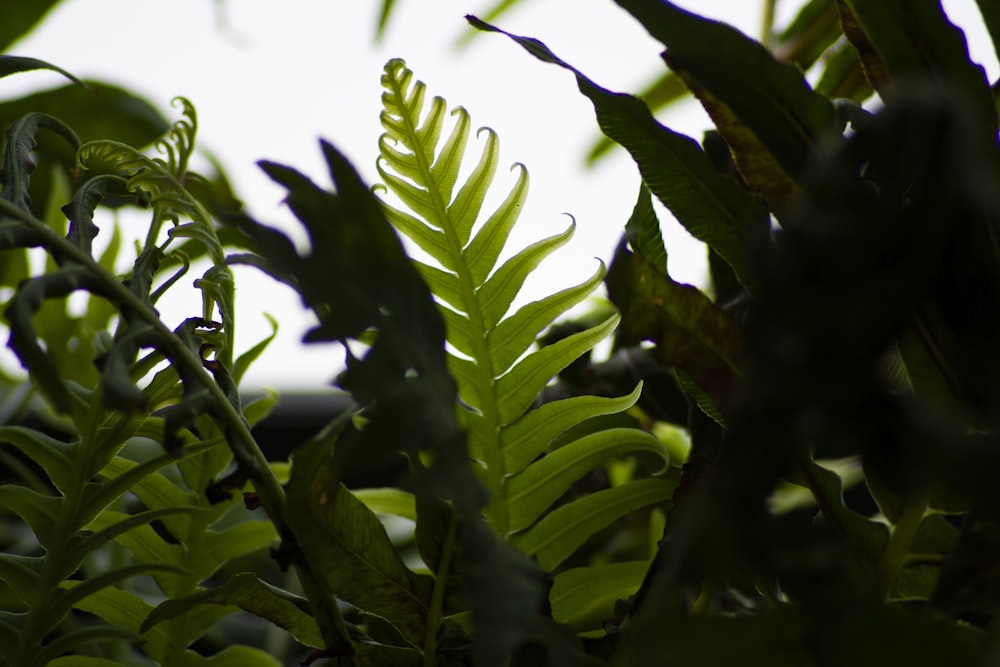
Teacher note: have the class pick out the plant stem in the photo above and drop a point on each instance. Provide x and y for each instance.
(894, 558)
(767, 24)
(436, 607)
(246, 451)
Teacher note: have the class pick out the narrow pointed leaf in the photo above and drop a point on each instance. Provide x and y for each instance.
(530, 492)
(483, 251)
(526, 439)
(643, 231)
(517, 389)
(464, 210)
(21, 574)
(85, 637)
(54, 456)
(515, 334)
(14, 64)
(499, 291)
(101, 537)
(556, 536)
(37, 510)
(388, 501)
(69, 598)
(124, 475)
(287, 611)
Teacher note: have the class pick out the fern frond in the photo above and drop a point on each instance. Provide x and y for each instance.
(161, 179)
(499, 376)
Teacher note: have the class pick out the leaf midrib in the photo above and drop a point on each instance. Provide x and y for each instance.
(497, 509)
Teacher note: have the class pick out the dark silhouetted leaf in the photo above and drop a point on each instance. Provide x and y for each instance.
(287, 611)
(712, 207)
(20, 18)
(901, 40)
(768, 114)
(347, 547)
(691, 333)
(14, 64)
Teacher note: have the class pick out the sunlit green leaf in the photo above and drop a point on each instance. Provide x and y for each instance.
(558, 534)
(585, 597)
(532, 490)
(388, 501)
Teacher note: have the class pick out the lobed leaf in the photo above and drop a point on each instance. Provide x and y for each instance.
(16, 166)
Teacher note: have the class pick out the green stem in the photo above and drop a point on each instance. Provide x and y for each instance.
(245, 449)
(246, 452)
(435, 611)
(767, 24)
(64, 528)
(895, 556)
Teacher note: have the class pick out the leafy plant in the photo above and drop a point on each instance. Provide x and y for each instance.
(497, 381)
(88, 507)
(848, 335)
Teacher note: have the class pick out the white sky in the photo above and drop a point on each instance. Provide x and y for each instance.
(277, 76)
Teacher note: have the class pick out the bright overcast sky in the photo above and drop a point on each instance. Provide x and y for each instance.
(269, 78)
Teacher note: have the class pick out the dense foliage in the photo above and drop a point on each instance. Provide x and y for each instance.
(793, 466)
